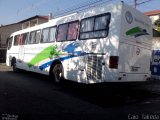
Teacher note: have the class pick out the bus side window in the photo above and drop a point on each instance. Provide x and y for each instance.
(16, 40)
(21, 40)
(45, 35)
(95, 27)
(34, 37)
(86, 28)
(52, 34)
(67, 31)
(62, 32)
(101, 26)
(24, 38)
(10, 42)
(38, 36)
(48, 35)
(72, 31)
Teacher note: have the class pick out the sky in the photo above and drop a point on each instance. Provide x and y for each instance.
(12, 11)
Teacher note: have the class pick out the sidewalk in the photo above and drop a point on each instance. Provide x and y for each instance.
(3, 67)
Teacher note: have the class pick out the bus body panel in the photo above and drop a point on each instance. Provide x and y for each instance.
(135, 46)
(127, 46)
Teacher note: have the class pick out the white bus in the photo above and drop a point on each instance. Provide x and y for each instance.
(106, 43)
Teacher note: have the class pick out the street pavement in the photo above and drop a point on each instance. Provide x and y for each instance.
(31, 96)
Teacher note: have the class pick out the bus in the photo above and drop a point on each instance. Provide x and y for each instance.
(106, 43)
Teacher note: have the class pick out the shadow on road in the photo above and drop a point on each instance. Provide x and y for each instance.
(111, 95)
(103, 95)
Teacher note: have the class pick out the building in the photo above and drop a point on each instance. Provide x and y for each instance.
(35, 20)
(155, 18)
(154, 15)
(7, 30)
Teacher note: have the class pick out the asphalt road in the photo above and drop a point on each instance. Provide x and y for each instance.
(30, 96)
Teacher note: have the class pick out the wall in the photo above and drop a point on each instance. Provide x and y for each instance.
(5, 32)
(40, 21)
(156, 43)
(154, 18)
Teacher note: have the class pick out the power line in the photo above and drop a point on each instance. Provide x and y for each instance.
(75, 7)
(140, 3)
(144, 2)
(31, 7)
(81, 7)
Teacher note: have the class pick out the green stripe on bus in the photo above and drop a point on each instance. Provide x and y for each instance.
(133, 31)
(48, 52)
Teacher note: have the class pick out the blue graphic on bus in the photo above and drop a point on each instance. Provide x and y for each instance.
(71, 50)
(71, 47)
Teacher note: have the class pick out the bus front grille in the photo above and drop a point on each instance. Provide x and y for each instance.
(94, 68)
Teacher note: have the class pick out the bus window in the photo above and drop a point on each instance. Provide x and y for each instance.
(24, 38)
(72, 31)
(101, 24)
(86, 29)
(62, 32)
(87, 25)
(34, 37)
(95, 27)
(16, 40)
(38, 36)
(10, 42)
(20, 40)
(45, 35)
(48, 35)
(67, 31)
(52, 34)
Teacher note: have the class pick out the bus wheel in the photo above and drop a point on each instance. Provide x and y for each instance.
(14, 66)
(57, 73)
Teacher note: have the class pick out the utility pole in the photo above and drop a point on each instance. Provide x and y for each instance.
(135, 3)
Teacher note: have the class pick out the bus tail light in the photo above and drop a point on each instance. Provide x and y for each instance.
(113, 62)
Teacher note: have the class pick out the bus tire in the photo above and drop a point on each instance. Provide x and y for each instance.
(56, 73)
(14, 65)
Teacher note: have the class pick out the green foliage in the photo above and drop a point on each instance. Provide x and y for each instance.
(158, 28)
